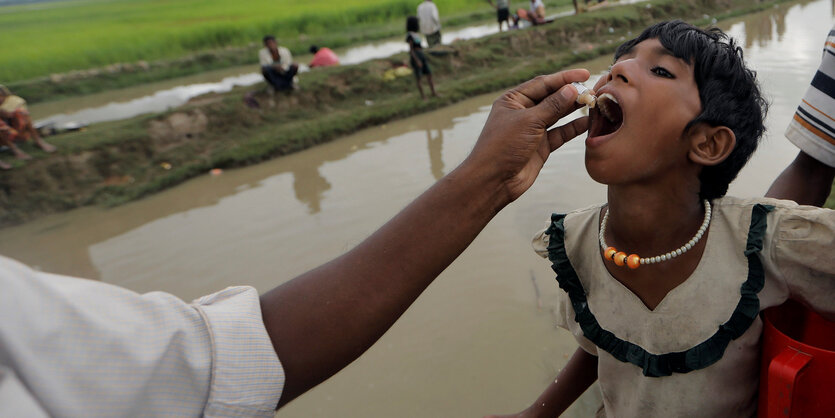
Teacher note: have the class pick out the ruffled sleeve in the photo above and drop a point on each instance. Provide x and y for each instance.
(801, 252)
(564, 311)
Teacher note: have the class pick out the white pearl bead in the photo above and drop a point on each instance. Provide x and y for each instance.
(688, 246)
(678, 252)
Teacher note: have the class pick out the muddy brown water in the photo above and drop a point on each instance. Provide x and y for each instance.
(481, 339)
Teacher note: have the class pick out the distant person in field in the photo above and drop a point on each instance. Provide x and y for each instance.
(430, 23)
(16, 126)
(277, 64)
(416, 57)
(536, 14)
(502, 12)
(323, 57)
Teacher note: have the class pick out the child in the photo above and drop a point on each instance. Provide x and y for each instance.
(416, 57)
(676, 331)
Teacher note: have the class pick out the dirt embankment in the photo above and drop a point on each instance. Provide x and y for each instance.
(117, 162)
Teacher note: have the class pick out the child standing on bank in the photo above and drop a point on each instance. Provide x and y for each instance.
(416, 57)
(663, 284)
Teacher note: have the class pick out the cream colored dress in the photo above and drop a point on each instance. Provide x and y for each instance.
(697, 353)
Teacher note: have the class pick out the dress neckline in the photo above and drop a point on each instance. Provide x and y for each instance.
(688, 282)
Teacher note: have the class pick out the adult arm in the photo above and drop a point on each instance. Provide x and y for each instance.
(806, 180)
(323, 320)
(577, 375)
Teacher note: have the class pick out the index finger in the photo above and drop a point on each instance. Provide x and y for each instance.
(545, 85)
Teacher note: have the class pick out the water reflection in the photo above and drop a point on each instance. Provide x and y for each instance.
(436, 145)
(309, 186)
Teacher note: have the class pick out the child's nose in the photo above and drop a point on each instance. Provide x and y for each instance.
(618, 71)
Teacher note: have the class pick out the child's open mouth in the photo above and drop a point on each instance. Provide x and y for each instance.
(606, 117)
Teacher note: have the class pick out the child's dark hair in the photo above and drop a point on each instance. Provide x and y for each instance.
(412, 24)
(728, 91)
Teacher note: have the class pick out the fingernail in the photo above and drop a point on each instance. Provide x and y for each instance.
(568, 92)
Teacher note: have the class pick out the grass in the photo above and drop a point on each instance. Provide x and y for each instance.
(79, 34)
(187, 46)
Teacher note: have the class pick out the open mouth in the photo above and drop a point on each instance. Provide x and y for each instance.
(607, 116)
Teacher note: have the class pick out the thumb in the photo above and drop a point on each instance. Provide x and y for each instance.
(557, 105)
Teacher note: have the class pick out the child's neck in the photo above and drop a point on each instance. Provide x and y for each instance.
(647, 222)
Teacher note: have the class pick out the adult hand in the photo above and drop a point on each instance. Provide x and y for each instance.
(516, 142)
(322, 320)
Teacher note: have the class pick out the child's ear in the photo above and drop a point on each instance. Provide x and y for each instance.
(710, 145)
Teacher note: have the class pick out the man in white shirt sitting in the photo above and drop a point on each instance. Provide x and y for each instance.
(430, 23)
(277, 64)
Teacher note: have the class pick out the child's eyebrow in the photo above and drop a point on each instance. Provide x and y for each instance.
(654, 50)
(660, 50)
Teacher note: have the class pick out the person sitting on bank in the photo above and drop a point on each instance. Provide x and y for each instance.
(16, 125)
(536, 15)
(277, 64)
(323, 57)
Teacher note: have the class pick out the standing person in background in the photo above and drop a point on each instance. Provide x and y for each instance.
(416, 57)
(808, 179)
(323, 57)
(430, 23)
(502, 12)
(16, 126)
(277, 64)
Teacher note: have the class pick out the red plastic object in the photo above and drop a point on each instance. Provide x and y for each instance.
(797, 378)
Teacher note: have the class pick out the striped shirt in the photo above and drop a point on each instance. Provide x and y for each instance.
(813, 127)
(74, 347)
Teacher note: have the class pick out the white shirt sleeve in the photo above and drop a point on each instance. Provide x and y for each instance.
(85, 348)
(286, 57)
(264, 57)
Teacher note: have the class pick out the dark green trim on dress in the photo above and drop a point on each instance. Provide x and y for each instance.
(657, 365)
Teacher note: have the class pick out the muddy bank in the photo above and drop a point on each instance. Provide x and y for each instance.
(117, 162)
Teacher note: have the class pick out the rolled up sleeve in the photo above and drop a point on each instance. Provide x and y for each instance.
(247, 377)
(87, 348)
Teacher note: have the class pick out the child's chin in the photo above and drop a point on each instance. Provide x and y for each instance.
(598, 172)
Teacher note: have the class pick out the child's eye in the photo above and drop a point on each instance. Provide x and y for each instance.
(662, 72)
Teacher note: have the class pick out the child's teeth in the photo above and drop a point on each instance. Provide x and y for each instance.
(603, 101)
(608, 96)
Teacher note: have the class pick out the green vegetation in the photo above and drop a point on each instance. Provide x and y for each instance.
(120, 161)
(79, 34)
(94, 80)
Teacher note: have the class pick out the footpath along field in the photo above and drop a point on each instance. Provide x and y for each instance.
(69, 35)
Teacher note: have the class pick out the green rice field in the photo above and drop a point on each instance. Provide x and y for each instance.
(54, 37)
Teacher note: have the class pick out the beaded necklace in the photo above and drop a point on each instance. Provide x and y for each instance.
(634, 261)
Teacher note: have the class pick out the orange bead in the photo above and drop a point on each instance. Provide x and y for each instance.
(633, 261)
(620, 258)
(609, 252)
